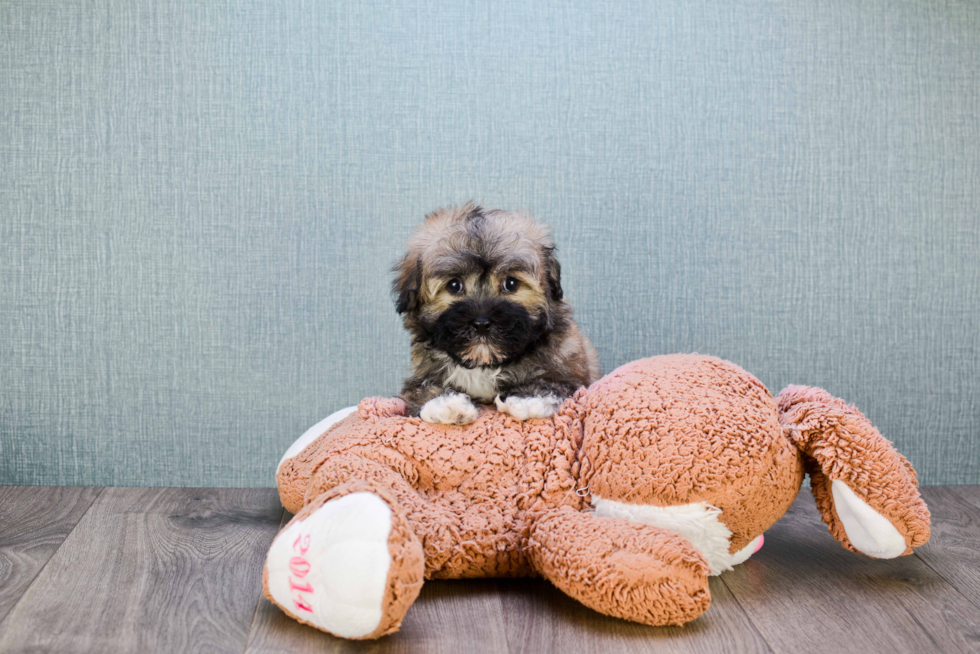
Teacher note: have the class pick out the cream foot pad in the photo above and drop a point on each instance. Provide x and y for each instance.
(331, 568)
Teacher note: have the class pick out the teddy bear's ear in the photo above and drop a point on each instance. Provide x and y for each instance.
(407, 284)
(552, 271)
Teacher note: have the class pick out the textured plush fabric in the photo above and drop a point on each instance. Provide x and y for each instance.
(625, 569)
(686, 428)
(501, 497)
(839, 443)
(466, 492)
(405, 575)
(199, 203)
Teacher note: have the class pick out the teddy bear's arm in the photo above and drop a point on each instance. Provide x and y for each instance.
(866, 491)
(624, 569)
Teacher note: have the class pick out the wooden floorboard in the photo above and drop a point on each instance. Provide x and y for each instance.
(805, 593)
(540, 618)
(179, 570)
(448, 617)
(151, 570)
(953, 551)
(519, 616)
(34, 521)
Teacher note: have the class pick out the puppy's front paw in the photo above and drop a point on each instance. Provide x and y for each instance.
(526, 407)
(449, 409)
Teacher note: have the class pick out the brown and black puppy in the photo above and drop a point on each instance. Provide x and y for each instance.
(480, 292)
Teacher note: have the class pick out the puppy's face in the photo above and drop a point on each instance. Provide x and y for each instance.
(479, 286)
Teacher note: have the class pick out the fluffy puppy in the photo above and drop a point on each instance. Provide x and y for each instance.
(480, 293)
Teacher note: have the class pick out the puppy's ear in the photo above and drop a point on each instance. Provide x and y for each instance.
(552, 270)
(407, 284)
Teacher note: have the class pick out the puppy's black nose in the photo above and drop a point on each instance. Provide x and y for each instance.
(482, 324)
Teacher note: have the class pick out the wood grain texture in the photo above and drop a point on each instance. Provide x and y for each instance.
(953, 551)
(518, 616)
(33, 524)
(515, 615)
(805, 593)
(168, 570)
(151, 570)
(448, 616)
(540, 618)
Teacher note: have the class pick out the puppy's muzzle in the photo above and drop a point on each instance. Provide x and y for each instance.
(487, 332)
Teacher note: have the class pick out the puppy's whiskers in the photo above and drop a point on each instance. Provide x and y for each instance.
(482, 353)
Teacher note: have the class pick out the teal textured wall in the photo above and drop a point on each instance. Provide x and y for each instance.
(200, 202)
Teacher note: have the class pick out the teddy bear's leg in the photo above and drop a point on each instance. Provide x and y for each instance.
(438, 527)
(866, 491)
(624, 569)
(348, 563)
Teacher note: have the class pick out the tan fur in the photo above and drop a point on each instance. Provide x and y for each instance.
(443, 236)
(480, 250)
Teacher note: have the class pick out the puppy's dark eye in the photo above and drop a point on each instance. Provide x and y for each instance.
(454, 286)
(511, 284)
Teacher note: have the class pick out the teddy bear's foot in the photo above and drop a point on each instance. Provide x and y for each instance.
(625, 569)
(865, 490)
(347, 564)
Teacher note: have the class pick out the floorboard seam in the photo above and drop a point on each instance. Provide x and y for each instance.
(258, 600)
(748, 616)
(922, 556)
(503, 616)
(949, 581)
(28, 587)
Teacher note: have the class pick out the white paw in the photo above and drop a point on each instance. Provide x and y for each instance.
(524, 407)
(331, 569)
(869, 532)
(449, 409)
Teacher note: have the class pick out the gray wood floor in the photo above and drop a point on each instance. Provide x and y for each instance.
(178, 570)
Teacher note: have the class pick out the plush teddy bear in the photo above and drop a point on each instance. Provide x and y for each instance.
(662, 473)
